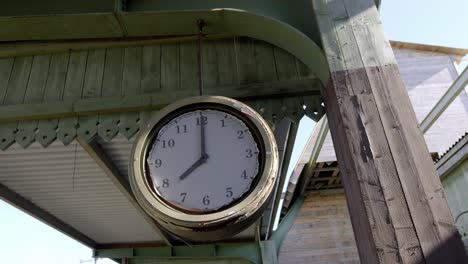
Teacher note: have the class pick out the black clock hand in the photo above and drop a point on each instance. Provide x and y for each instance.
(202, 139)
(197, 164)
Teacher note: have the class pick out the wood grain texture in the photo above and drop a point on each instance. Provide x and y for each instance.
(424, 71)
(107, 91)
(210, 64)
(151, 69)
(322, 232)
(55, 84)
(34, 93)
(170, 67)
(131, 85)
(395, 200)
(14, 94)
(72, 91)
(227, 62)
(245, 59)
(285, 65)
(92, 87)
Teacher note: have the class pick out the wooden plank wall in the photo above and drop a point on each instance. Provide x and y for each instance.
(427, 75)
(145, 69)
(455, 185)
(322, 232)
(237, 63)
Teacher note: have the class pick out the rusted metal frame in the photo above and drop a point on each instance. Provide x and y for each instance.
(97, 153)
(32, 209)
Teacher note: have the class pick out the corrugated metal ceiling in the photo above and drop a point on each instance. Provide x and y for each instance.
(67, 183)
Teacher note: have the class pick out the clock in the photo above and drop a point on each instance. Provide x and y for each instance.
(204, 167)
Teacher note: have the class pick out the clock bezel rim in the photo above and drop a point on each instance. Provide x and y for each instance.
(169, 216)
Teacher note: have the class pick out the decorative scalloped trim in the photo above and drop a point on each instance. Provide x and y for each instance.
(128, 124)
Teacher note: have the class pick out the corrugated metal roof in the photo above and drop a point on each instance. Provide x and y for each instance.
(459, 141)
(67, 183)
(119, 150)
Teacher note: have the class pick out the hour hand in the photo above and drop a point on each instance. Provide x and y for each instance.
(197, 164)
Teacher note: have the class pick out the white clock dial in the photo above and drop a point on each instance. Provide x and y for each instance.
(203, 160)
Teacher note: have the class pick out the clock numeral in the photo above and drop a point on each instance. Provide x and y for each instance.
(222, 123)
(204, 120)
(244, 175)
(206, 200)
(181, 129)
(240, 134)
(249, 153)
(170, 143)
(183, 195)
(165, 183)
(157, 163)
(229, 192)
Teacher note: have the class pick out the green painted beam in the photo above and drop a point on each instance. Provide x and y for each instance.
(285, 225)
(84, 107)
(262, 252)
(248, 251)
(286, 24)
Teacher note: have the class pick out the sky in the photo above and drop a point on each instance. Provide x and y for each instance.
(25, 240)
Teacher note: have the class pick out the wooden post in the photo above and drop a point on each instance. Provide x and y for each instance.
(396, 202)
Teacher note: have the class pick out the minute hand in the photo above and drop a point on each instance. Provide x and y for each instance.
(197, 164)
(202, 139)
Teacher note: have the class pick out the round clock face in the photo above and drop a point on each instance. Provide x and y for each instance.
(203, 160)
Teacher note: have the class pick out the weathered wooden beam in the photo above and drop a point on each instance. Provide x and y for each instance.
(325, 169)
(396, 201)
(444, 102)
(85, 107)
(32, 209)
(98, 154)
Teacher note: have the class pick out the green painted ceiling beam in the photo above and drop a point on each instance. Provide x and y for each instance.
(248, 251)
(286, 24)
(253, 252)
(151, 101)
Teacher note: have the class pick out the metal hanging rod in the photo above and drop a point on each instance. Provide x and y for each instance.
(201, 24)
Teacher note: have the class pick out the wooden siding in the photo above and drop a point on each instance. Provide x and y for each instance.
(455, 185)
(239, 64)
(322, 232)
(427, 75)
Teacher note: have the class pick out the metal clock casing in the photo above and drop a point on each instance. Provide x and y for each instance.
(207, 225)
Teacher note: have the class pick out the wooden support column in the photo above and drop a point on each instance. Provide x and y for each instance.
(396, 202)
